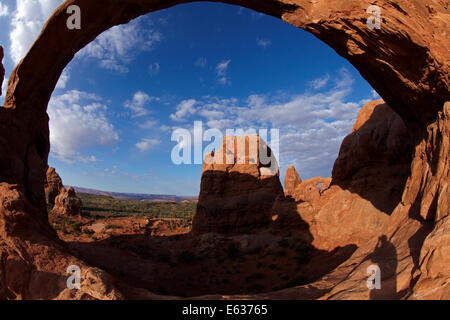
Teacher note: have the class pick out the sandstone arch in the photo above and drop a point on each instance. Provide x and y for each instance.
(407, 62)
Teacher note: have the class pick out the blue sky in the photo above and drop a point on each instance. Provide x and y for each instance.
(118, 102)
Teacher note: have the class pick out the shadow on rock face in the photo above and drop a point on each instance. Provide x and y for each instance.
(275, 254)
(385, 257)
(374, 160)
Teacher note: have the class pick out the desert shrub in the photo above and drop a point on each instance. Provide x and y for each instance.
(284, 243)
(164, 257)
(303, 256)
(105, 206)
(186, 257)
(255, 287)
(110, 226)
(233, 251)
(254, 277)
(278, 253)
(256, 250)
(88, 231)
(273, 266)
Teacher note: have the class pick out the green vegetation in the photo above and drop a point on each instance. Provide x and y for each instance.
(108, 207)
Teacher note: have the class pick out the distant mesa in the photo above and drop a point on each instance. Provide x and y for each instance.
(135, 196)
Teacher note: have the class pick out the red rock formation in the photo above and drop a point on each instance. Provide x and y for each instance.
(236, 195)
(374, 160)
(53, 185)
(310, 190)
(67, 203)
(368, 178)
(291, 180)
(406, 62)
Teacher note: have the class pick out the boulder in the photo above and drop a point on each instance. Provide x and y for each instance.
(53, 185)
(67, 203)
(237, 189)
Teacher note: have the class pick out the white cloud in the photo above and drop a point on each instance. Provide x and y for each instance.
(312, 124)
(116, 47)
(212, 114)
(256, 15)
(78, 120)
(4, 87)
(3, 10)
(26, 24)
(113, 65)
(136, 105)
(319, 83)
(222, 68)
(264, 43)
(200, 62)
(148, 124)
(63, 79)
(153, 68)
(184, 109)
(147, 144)
(344, 79)
(375, 95)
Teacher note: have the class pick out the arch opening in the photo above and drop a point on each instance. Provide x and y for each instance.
(166, 259)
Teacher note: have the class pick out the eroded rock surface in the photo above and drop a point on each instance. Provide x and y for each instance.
(53, 185)
(67, 203)
(368, 178)
(237, 189)
(291, 180)
(374, 160)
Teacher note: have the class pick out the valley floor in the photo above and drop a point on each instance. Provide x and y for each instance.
(162, 256)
